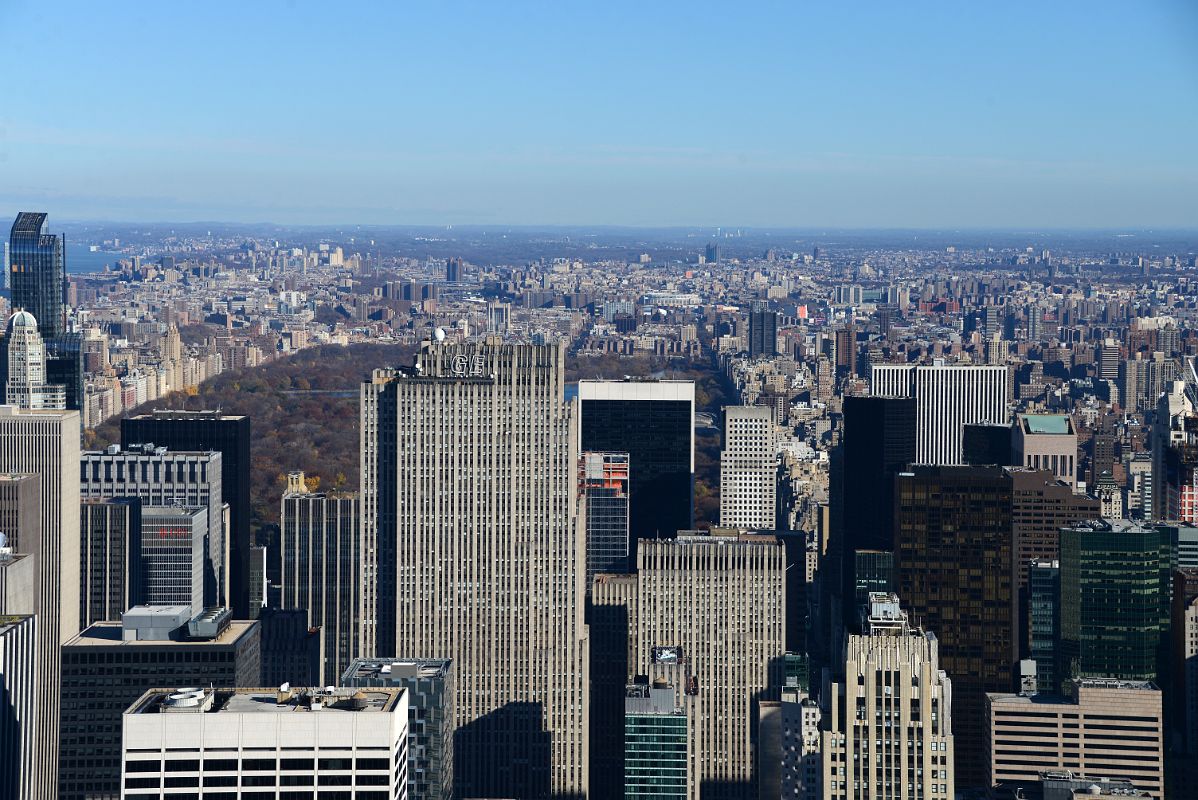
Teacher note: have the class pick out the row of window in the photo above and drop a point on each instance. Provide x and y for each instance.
(257, 764)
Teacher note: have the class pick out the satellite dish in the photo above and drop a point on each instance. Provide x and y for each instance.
(439, 334)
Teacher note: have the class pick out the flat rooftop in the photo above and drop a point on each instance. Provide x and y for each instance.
(268, 701)
(1053, 424)
(396, 669)
(110, 634)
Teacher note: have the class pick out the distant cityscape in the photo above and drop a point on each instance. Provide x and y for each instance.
(708, 514)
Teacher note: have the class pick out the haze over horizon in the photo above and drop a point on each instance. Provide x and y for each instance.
(1069, 116)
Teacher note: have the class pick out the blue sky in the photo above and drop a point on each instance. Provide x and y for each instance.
(886, 114)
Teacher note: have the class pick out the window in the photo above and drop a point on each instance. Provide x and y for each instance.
(298, 763)
(258, 764)
(373, 763)
(220, 765)
(190, 765)
(141, 783)
(220, 780)
(143, 766)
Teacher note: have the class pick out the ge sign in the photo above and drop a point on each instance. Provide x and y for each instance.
(461, 365)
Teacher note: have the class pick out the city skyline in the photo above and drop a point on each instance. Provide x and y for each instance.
(670, 115)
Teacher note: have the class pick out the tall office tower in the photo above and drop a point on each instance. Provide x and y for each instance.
(873, 571)
(721, 600)
(608, 610)
(1035, 323)
(748, 469)
(150, 646)
(603, 480)
(879, 442)
(258, 582)
(25, 384)
(1043, 626)
(20, 512)
(984, 445)
(230, 435)
(712, 253)
(657, 743)
(954, 559)
(470, 523)
(1109, 357)
(172, 556)
(18, 581)
(1114, 599)
(1104, 728)
(429, 685)
(37, 272)
(322, 567)
(1046, 441)
(846, 350)
(891, 690)
(353, 739)
(46, 444)
(947, 398)
(453, 270)
(20, 759)
(1183, 631)
(801, 768)
(160, 477)
(654, 422)
(995, 349)
(763, 331)
(1040, 506)
(1102, 456)
(1182, 541)
(110, 563)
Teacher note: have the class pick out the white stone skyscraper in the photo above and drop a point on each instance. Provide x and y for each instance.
(947, 398)
(46, 444)
(887, 727)
(472, 550)
(748, 469)
(26, 353)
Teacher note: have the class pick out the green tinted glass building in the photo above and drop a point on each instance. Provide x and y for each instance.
(655, 743)
(1114, 601)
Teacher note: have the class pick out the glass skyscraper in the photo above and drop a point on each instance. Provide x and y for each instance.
(655, 743)
(37, 272)
(604, 481)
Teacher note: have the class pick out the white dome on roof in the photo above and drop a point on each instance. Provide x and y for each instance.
(22, 319)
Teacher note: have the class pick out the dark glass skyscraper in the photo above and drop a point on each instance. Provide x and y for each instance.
(879, 442)
(603, 479)
(763, 331)
(211, 430)
(37, 272)
(954, 562)
(652, 421)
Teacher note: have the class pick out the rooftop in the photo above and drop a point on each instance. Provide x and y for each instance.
(1053, 424)
(331, 699)
(110, 634)
(396, 669)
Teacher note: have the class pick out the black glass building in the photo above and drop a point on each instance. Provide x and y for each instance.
(652, 421)
(763, 331)
(37, 272)
(211, 430)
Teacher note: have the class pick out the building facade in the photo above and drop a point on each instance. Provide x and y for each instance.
(322, 567)
(26, 383)
(947, 397)
(604, 484)
(110, 564)
(20, 759)
(205, 431)
(748, 469)
(654, 422)
(474, 551)
(172, 556)
(888, 718)
(1105, 728)
(431, 711)
(354, 741)
(109, 665)
(1046, 442)
(46, 444)
(37, 272)
(657, 743)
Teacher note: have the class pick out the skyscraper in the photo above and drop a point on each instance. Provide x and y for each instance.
(110, 563)
(763, 331)
(1044, 622)
(474, 551)
(748, 469)
(431, 703)
(719, 599)
(37, 272)
(947, 398)
(1046, 441)
(1114, 599)
(46, 444)
(654, 422)
(889, 689)
(160, 477)
(954, 564)
(322, 567)
(603, 478)
(20, 758)
(230, 435)
(172, 556)
(26, 385)
(879, 442)
(657, 743)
